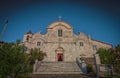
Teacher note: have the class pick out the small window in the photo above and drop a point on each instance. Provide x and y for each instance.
(27, 38)
(25, 49)
(38, 43)
(81, 43)
(60, 33)
(94, 47)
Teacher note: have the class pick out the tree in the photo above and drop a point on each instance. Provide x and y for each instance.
(13, 61)
(36, 54)
(117, 61)
(107, 56)
(111, 57)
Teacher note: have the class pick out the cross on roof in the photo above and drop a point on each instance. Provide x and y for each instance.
(60, 17)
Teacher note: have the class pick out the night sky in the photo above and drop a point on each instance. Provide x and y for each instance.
(98, 18)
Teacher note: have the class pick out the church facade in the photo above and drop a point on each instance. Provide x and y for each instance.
(61, 44)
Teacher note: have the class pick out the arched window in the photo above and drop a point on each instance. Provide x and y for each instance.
(60, 33)
(38, 43)
(81, 43)
(27, 38)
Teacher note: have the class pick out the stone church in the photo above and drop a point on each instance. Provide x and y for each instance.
(61, 44)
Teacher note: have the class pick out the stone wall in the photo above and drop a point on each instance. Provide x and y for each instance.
(69, 41)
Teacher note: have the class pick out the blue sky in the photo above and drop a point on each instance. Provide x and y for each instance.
(98, 18)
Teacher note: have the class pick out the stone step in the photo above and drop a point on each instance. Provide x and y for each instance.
(61, 76)
(58, 67)
(67, 72)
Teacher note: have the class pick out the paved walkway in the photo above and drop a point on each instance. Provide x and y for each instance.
(58, 68)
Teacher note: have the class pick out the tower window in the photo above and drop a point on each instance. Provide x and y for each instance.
(27, 38)
(60, 33)
(38, 43)
(81, 43)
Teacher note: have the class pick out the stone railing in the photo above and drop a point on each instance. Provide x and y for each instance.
(36, 65)
(82, 65)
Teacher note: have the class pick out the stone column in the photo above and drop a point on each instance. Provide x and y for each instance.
(97, 63)
(35, 66)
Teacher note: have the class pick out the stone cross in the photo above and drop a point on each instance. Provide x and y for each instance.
(60, 17)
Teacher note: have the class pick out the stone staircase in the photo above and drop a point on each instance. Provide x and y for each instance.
(61, 76)
(59, 70)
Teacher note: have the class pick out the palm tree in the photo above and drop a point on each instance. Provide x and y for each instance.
(36, 54)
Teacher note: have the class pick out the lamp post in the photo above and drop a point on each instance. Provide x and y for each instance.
(97, 61)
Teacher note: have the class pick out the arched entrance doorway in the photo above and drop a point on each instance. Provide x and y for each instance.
(59, 54)
(60, 57)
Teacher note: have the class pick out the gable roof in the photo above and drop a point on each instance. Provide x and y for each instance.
(103, 42)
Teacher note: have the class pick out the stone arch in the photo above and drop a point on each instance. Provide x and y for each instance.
(59, 54)
(62, 23)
